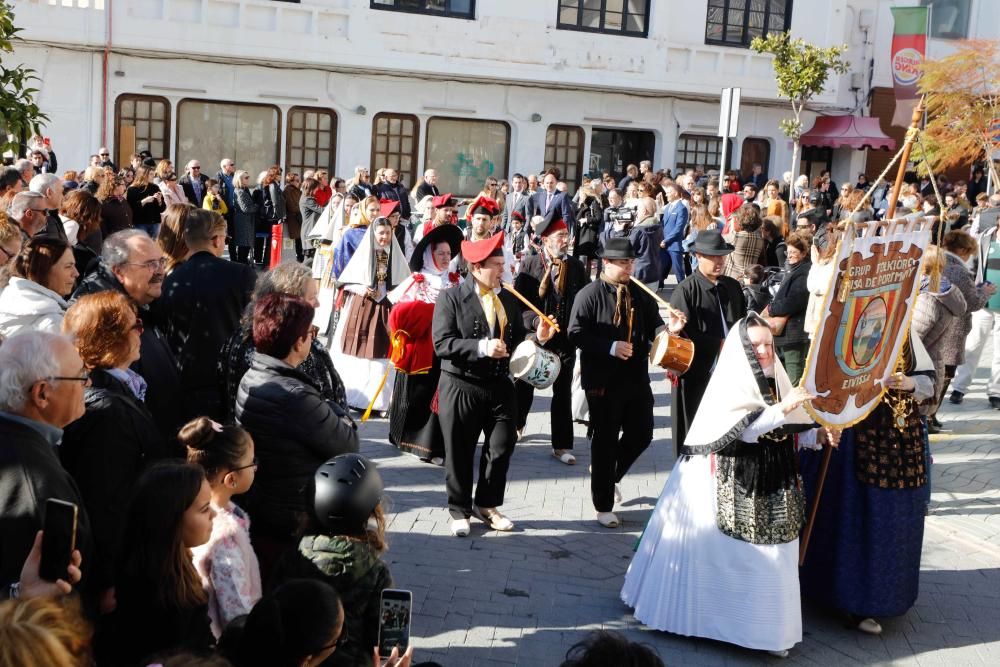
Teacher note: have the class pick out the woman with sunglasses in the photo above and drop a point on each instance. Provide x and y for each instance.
(116, 439)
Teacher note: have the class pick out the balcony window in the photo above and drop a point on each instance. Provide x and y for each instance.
(737, 22)
(466, 152)
(564, 151)
(311, 142)
(701, 150)
(142, 123)
(459, 9)
(949, 18)
(394, 144)
(614, 17)
(246, 133)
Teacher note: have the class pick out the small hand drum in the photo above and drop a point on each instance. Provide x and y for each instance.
(535, 365)
(672, 353)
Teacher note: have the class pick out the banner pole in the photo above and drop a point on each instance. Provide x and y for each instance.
(807, 531)
(911, 135)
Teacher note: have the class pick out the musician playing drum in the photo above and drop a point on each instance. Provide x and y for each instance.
(476, 326)
(551, 280)
(613, 323)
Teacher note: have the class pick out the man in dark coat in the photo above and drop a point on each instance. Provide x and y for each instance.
(475, 328)
(42, 379)
(551, 280)
(548, 198)
(614, 323)
(392, 189)
(712, 304)
(132, 263)
(194, 183)
(202, 302)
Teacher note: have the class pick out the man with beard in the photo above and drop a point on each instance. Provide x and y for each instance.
(482, 217)
(132, 263)
(712, 303)
(551, 280)
(442, 212)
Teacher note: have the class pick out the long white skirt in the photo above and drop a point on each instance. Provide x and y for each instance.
(361, 376)
(689, 578)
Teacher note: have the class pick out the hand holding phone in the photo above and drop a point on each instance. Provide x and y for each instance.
(58, 539)
(395, 613)
(33, 586)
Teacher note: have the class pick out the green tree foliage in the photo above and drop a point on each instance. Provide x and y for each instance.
(19, 114)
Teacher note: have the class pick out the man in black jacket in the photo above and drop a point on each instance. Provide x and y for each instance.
(551, 280)
(194, 183)
(41, 391)
(712, 303)
(392, 189)
(132, 263)
(202, 302)
(50, 186)
(475, 328)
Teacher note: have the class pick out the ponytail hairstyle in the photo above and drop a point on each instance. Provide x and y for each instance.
(296, 620)
(216, 448)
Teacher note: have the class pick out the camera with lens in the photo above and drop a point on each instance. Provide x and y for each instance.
(623, 214)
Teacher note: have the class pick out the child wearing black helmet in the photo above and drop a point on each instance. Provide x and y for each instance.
(341, 546)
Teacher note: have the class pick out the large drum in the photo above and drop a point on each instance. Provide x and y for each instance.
(672, 353)
(535, 365)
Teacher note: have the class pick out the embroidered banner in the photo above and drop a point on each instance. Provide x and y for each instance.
(858, 339)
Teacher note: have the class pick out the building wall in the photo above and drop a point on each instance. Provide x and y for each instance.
(508, 65)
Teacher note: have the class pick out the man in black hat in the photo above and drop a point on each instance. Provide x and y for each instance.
(613, 323)
(551, 281)
(713, 303)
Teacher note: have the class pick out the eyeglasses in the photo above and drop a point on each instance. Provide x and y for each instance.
(151, 265)
(10, 255)
(137, 326)
(104, 154)
(254, 464)
(84, 377)
(341, 640)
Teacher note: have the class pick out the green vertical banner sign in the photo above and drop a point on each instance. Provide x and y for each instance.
(909, 46)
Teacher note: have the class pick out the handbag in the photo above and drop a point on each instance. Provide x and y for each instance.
(776, 323)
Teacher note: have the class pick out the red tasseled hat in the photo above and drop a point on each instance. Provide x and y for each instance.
(387, 207)
(476, 252)
(443, 200)
(487, 205)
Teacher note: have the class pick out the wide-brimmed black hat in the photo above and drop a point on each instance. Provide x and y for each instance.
(710, 242)
(452, 234)
(617, 247)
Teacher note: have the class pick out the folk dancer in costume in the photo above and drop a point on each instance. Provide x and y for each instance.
(551, 280)
(864, 553)
(326, 235)
(350, 240)
(475, 328)
(389, 208)
(719, 556)
(442, 211)
(713, 303)
(413, 421)
(613, 323)
(483, 218)
(360, 344)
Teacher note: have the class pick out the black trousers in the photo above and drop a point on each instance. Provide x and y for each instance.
(562, 403)
(467, 409)
(622, 419)
(684, 402)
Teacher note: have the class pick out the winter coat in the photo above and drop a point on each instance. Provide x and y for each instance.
(750, 249)
(27, 306)
(115, 216)
(295, 431)
(792, 300)
(144, 214)
(311, 211)
(105, 451)
(293, 213)
(270, 204)
(933, 316)
(246, 213)
(958, 274)
(646, 237)
(353, 568)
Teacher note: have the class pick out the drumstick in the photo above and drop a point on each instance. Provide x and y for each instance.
(524, 300)
(631, 316)
(665, 304)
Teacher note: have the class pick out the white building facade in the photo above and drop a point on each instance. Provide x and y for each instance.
(473, 88)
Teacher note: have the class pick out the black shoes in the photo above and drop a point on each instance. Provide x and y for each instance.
(956, 397)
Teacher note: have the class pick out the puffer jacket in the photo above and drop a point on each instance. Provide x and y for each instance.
(959, 275)
(933, 315)
(645, 237)
(294, 432)
(354, 568)
(27, 306)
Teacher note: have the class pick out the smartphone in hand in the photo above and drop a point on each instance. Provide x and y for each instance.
(395, 612)
(58, 539)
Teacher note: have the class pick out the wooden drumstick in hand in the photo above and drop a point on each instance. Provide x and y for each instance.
(631, 317)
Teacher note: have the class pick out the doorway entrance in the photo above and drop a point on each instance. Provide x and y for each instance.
(614, 150)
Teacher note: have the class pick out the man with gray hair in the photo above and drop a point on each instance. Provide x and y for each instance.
(42, 379)
(50, 186)
(26, 169)
(132, 263)
(28, 212)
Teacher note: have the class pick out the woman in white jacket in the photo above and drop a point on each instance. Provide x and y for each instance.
(43, 278)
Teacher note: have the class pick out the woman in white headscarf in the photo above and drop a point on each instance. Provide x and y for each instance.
(360, 346)
(413, 421)
(719, 557)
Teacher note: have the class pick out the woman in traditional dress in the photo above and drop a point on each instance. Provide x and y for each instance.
(864, 554)
(413, 422)
(718, 558)
(361, 217)
(360, 344)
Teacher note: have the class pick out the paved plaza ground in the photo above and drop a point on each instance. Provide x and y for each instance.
(523, 598)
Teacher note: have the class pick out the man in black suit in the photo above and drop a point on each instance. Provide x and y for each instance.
(202, 302)
(391, 189)
(429, 187)
(551, 280)
(195, 183)
(548, 198)
(518, 200)
(475, 328)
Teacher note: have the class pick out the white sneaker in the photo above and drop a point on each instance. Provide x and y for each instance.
(607, 519)
(564, 456)
(460, 527)
(870, 626)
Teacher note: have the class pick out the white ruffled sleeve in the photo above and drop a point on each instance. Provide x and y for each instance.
(771, 418)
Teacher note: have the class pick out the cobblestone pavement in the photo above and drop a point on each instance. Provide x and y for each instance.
(523, 598)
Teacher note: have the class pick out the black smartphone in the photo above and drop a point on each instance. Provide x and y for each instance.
(394, 621)
(58, 539)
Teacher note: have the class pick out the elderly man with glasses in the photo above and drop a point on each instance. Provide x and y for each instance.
(195, 183)
(42, 379)
(28, 211)
(104, 159)
(133, 264)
